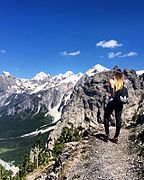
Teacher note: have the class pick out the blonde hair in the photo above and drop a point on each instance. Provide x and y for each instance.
(118, 82)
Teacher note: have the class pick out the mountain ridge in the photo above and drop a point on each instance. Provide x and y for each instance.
(41, 75)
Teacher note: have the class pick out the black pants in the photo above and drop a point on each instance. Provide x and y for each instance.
(113, 105)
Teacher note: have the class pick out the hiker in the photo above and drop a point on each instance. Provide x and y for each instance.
(116, 85)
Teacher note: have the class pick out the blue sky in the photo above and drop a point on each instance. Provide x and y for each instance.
(55, 36)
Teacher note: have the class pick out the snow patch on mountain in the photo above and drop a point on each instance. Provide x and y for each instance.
(6, 74)
(96, 69)
(72, 78)
(40, 76)
(55, 113)
(42, 131)
(68, 74)
(140, 72)
(9, 167)
(63, 76)
(39, 88)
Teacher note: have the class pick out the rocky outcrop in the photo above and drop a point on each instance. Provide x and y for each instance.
(137, 144)
(93, 158)
(86, 105)
(142, 80)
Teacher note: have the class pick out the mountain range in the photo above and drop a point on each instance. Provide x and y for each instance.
(42, 93)
(45, 104)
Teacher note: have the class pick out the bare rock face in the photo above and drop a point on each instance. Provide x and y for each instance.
(36, 103)
(142, 81)
(86, 105)
(40, 94)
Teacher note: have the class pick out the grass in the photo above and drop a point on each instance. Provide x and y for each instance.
(17, 125)
(12, 147)
(5, 150)
(14, 150)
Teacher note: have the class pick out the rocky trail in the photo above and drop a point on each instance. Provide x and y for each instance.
(95, 159)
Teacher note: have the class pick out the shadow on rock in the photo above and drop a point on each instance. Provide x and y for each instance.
(101, 136)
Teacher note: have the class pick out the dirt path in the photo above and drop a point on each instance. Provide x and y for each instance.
(94, 159)
(99, 160)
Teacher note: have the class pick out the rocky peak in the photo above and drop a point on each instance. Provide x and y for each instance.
(132, 76)
(96, 69)
(40, 76)
(64, 76)
(68, 74)
(86, 106)
(140, 72)
(6, 74)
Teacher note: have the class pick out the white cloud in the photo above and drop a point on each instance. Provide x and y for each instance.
(113, 55)
(132, 54)
(108, 44)
(75, 53)
(121, 55)
(3, 51)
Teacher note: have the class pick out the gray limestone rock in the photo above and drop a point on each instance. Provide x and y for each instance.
(86, 106)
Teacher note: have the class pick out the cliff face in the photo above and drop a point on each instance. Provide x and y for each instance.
(86, 106)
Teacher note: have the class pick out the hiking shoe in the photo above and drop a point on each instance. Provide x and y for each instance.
(106, 137)
(114, 140)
